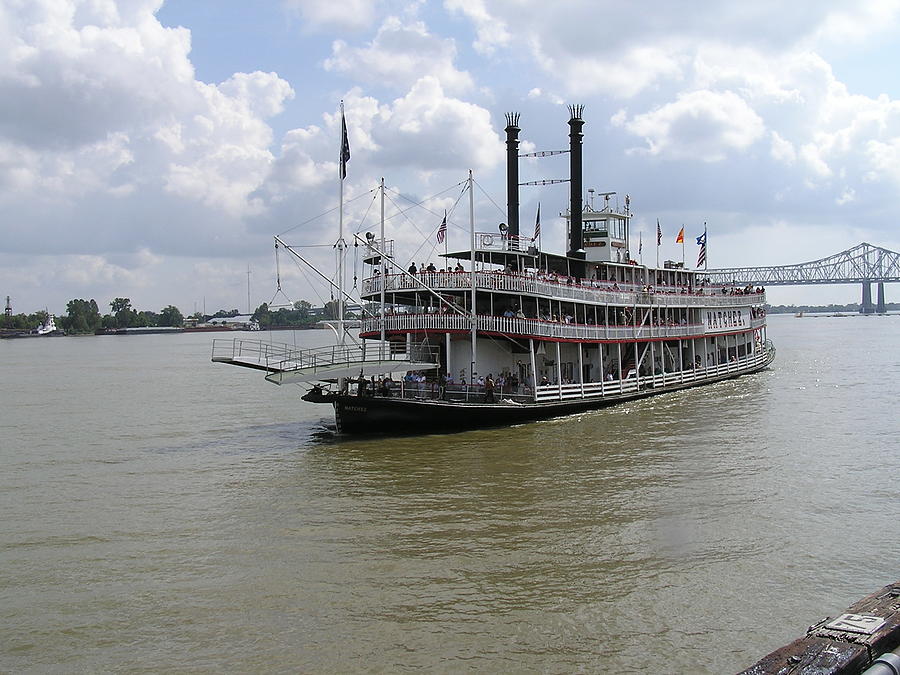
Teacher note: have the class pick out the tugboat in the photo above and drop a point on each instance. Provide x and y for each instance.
(507, 332)
(47, 328)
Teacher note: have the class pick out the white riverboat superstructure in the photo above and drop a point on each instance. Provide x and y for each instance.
(506, 333)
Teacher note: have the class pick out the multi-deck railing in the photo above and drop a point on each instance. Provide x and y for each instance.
(585, 390)
(593, 292)
(534, 327)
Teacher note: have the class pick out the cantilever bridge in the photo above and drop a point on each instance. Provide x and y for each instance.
(862, 264)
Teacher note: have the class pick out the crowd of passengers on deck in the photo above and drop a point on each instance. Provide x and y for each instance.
(702, 286)
(507, 384)
(417, 383)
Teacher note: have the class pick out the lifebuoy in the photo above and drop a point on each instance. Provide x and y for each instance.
(487, 239)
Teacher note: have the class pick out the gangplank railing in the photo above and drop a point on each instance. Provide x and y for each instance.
(275, 357)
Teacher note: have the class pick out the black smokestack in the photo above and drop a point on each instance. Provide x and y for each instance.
(576, 236)
(512, 174)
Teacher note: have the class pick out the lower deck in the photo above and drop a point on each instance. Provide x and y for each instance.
(531, 365)
(424, 408)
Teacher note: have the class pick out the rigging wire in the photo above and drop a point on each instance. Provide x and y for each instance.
(366, 214)
(490, 199)
(426, 239)
(325, 213)
(421, 204)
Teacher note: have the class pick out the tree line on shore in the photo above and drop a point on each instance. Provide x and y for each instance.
(301, 315)
(83, 316)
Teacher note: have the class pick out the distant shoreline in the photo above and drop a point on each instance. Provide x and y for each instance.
(8, 333)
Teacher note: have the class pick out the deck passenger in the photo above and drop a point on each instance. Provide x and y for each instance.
(489, 388)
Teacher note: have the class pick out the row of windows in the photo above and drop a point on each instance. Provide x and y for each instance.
(611, 227)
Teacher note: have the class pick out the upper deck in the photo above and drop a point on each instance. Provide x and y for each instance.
(594, 292)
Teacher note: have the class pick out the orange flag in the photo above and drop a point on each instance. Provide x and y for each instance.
(680, 238)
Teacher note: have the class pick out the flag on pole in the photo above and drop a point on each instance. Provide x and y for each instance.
(658, 233)
(701, 242)
(680, 238)
(345, 145)
(442, 230)
(537, 224)
(640, 243)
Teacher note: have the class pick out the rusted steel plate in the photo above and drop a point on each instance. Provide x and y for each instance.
(845, 645)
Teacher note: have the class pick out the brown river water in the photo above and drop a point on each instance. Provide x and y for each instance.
(163, 513)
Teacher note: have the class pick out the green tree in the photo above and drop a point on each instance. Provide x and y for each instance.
(303, 307)
(119, 304)
(145, 319)
(121, 310)
(262, 316)
(331, 309)
(171, 316)
(82, 316)
(25, 321)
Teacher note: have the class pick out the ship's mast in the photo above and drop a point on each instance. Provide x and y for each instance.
(383, 269)
(340, 245)
(472, 368)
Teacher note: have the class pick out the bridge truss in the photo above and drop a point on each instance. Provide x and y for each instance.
(861, 264)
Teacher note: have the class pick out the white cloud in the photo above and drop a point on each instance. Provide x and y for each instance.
(700, 125)
(327, 14)
(782, 150)
(491, 31)
(847, 196)
(98, 101)
(399, 55)
(437, 132)
(866, 19)
(424, 131)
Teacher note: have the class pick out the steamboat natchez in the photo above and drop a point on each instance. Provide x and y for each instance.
(507, 333)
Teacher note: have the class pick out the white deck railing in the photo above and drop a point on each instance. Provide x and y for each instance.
(593, 292)
(533, 327)
(431, 390)
(563, 392)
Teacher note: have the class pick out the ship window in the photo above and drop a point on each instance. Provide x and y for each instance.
(617, 230)
(598, 226)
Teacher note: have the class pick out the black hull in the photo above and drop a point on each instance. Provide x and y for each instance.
(379, 415)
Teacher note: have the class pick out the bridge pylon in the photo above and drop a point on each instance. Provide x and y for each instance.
(866, 306)
(880, 307)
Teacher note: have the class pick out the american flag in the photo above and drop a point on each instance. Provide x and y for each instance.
(537, 224)
(701, 242)
(442, 230)
(658, 233)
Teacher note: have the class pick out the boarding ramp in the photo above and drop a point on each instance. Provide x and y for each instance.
(284, 364)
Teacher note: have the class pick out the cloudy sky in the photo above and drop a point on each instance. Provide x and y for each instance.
(151, 150)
